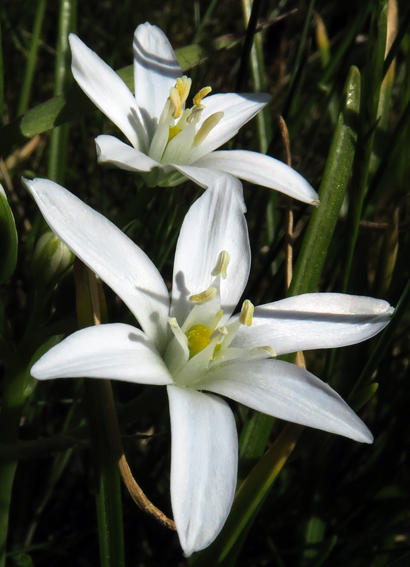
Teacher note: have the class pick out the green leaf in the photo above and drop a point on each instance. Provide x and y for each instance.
(332, 190)
(8, 239)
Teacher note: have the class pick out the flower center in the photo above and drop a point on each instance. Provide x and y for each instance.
(177, 132)
(201, 342)
(198, 339)
(200, 336)
(177, 98)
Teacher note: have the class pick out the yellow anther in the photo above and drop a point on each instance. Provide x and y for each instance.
(204, 297)
(221, 264)
(246, 313)
(208, 125)
(183, 86)
(175, 99)
(200, 95)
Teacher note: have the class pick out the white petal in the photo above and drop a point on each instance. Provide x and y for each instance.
(112, 150)
(288, 392)
(108, 252)
(204, 455)
(238, 109)
(205, 177)
(261, 170)
(115, 352)
(314, 320)
(155, 72)
(214, 223)
(108, 92)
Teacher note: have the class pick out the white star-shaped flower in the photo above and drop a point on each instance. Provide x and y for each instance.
(194, 345)
(170, 142)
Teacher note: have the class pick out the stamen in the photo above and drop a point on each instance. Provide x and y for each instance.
(175, 99)
(265, 349)
(204, 297)
(219, 334)
(221, 264)
(215, 321)
(200, 95)
(183, 86)
(195, 113)
(176, 329)
(246, 313)
(208, 125)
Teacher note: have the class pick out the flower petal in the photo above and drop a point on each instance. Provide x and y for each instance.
(112, 150)
(238, 109)
(314, 320)
(155, 71)
(107, 251)
(108, 92)
(214, 223)
(115, 352)
(288, 392)
(205, 177)
(204, 455)
(261, 170)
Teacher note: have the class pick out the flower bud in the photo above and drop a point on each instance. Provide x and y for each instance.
(8, 239)
(51, 259)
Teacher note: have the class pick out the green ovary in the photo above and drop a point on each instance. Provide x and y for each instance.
(198, 339)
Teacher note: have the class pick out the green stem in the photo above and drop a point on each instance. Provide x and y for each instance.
(59, 135)
(32, 59)
(247, 47)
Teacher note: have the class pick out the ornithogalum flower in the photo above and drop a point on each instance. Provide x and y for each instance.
(194, 345)
(170, 142)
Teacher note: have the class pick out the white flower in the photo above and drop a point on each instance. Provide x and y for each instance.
(195, 346)
(170, 142)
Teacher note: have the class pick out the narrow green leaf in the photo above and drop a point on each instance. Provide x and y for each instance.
(63, 78)
(368, 124)
(363, 396)
(320, 230)
(8, 239)
(263, 118)
(32, 58)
